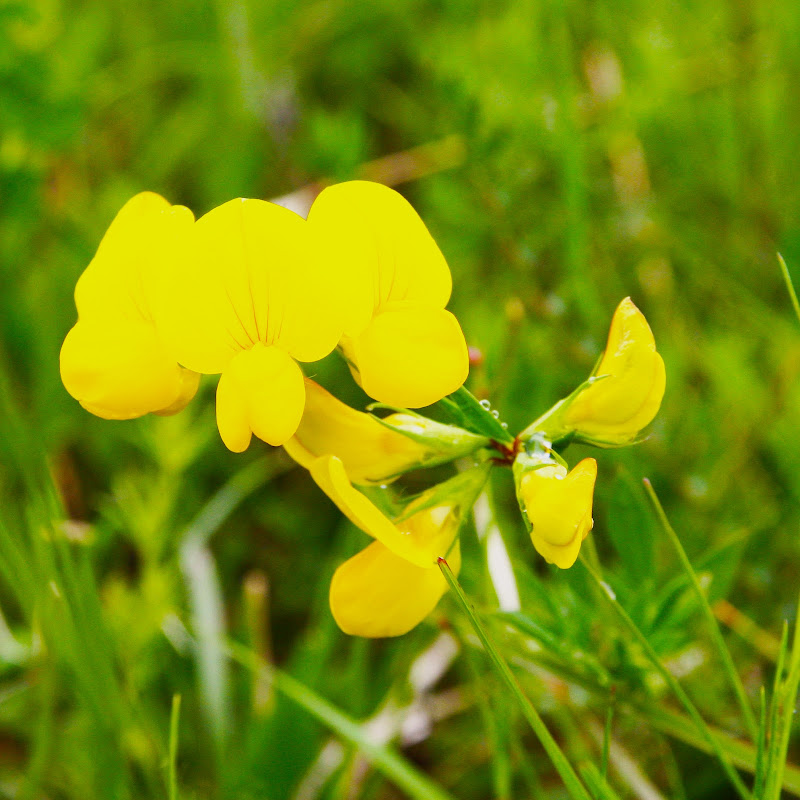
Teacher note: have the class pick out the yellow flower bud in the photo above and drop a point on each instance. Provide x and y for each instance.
(629, 387)
(559, 508)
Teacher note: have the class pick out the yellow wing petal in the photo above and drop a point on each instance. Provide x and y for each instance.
(377, 593)
(118, 281)
(410, 356)
(120, 371)
(261, 392)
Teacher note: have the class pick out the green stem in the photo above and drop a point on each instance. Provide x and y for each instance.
(560, 762)
(672, 682)
(173, 746)
(713, 626)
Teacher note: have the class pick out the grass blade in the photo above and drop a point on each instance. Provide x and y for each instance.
(384, 759)
(713, 626)
(556, 754)
(789, 285)
(174, 721)
(671, 681)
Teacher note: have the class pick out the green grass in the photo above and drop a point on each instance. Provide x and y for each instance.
(564, 154)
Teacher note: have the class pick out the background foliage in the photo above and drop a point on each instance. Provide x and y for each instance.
(565, 154)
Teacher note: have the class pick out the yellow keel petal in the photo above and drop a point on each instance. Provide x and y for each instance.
(261, 392)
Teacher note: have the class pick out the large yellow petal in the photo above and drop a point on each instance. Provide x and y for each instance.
(377, 593)
(378, 243)
(118, 281)
(261, 392)
(250, 272)
(120, 370)
(329, 474)
(370, 452)
(409, 355)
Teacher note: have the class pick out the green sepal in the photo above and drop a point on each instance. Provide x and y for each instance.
(463, 409)
(464, 487)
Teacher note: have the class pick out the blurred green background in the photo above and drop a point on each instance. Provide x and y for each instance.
(565, 154)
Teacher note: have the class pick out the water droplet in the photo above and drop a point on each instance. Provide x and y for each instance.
(496, 414)
(486, 404)
(504, 425)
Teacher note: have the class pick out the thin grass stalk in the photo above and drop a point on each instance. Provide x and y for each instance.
(685, 700)
(556, 754)
(713, 626)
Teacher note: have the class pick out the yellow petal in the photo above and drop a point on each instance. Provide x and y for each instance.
(559, 508)
(380, 246)
(119, 280)
(261, 392)
(119, 371)
(249, 272)
(617, 407)
(377, 593)
(370, 452)
(329, 474)
(190, 381)
(410, 356)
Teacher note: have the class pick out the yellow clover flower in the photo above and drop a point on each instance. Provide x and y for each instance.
(394, 583)
(559, 508)
(249, 295)
(373, 452)
(404, 348)
(615, 408)
(113, 361)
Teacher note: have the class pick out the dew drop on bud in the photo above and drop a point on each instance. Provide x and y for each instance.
(486, 404)
(504, 425)
(496, 414)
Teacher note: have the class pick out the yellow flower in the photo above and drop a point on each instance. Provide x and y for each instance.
(559, 508)
(613, 409)
(394, 583)
(248, 295)
(113, 361)
(370, 451)
(404, 348)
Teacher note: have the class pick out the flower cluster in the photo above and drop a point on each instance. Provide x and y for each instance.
(251, 289)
